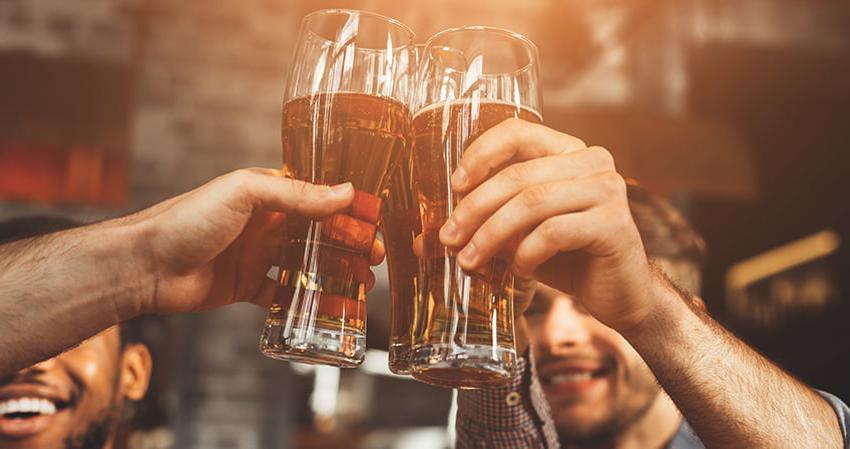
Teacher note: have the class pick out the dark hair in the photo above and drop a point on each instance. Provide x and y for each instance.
(132, 330)
(37, 225)
(667, 236)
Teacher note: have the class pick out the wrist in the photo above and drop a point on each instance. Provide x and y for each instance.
(127, 244)
(668, 311)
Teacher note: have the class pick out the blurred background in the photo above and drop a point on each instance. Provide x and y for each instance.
(738, 110)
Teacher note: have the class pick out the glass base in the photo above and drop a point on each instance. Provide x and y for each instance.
(320, 347)
(467, 367)
(400, 358)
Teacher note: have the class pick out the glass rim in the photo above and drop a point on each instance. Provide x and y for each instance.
(346, 11)
(535, 55)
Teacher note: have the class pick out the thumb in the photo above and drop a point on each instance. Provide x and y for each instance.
(271, 190)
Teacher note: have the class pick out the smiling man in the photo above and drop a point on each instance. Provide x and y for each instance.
(600, 391)
(608, 321)
(590, 388)
(73, 400)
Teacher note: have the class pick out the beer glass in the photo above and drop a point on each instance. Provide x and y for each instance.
(469, 79)
(345, 118)
(400, 226)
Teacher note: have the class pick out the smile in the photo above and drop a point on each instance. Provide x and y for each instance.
(572, 377)
(26, 414)
(23, 408)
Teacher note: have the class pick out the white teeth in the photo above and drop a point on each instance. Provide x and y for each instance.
(572, 377)
(27, 405)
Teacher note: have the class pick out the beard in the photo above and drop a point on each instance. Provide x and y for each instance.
(98, 433)
(607, 430)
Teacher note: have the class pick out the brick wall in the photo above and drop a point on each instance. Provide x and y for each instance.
(208, 99)
(211, 72)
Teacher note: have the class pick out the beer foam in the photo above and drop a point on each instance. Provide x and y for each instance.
(450, 103)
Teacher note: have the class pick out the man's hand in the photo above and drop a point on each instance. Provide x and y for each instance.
(214, 245)
(206, 248)
(565, 204)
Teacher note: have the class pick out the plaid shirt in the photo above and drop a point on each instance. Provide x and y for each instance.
(517, 416)
(514, 416)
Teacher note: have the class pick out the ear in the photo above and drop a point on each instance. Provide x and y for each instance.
(136, 365)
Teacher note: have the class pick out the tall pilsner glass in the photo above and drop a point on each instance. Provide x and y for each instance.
(469, 80)
(400, 226)
(345, 118)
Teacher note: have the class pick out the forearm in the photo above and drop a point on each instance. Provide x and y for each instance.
(731, 395)
(59, 289)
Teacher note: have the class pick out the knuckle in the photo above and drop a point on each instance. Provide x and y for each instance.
(241, 175)
(517, 130)
(240, 179)
(517, 174)
(514, 123)
(483, 237)
(551, 229)
(301, 188)
(613, 183)
(535, 196)
(300, 193)
(603, 156)
(577, 142)
(465, 209)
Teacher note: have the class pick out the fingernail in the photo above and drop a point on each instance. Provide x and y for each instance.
(469, 255)
(449, 232)
(459, 178)
(341, 190)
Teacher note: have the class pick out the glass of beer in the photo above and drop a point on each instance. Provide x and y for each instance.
(345, 118)
(400, 226)
(469, 80)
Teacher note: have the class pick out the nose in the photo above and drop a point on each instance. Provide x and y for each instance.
(564, 328)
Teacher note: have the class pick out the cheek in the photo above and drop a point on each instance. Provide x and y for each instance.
(616, 345)
(638, 383)
(90, 370)
(633, 373)
(97, 378)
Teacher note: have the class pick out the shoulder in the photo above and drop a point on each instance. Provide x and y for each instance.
(842, 411)
(685, 438)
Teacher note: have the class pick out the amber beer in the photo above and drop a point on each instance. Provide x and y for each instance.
(459, 308)
(399, 226)
(329, 138)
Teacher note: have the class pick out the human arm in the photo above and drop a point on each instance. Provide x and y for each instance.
(566, 205)
(731, 395)
(203, 249)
